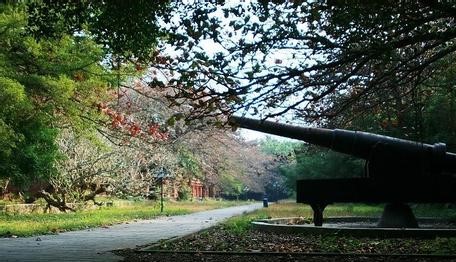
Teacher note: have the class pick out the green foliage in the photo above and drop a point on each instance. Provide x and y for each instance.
(190, 163)
(36, 154)
(127, 30)
(27, 148)
(184, 193)
(428, 117)
(230, 185)
(439, 118)
(276, 147)
(44, 85)
(317, 163)
(14, 104)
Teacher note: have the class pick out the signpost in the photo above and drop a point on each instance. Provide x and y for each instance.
(161, 174)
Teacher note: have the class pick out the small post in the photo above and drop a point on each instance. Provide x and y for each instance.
(161, 195)
(265, 201)
(160, 175)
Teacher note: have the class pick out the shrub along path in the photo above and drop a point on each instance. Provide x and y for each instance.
(96, 244)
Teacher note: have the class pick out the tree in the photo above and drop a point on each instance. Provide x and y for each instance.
(45, 85)
(317, 163)
(61, 83)
(315, 59)
(362, 65)
(279, 148)
(439, 119)
(27, 146)
(126, 30)
(84, 170)
(233, 167)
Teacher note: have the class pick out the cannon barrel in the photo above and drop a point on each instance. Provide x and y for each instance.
(382, 150)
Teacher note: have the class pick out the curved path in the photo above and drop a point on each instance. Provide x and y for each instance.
(96, 244)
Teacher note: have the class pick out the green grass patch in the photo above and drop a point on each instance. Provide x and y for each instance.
(240, 224)
(36, 224)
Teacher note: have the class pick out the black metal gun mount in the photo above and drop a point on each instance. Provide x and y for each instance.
(397, 171)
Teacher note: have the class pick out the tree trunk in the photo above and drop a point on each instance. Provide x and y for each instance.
(54, 201)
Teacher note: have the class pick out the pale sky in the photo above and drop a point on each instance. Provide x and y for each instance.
(250, 135)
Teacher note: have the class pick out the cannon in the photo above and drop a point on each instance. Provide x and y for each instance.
(397, 171)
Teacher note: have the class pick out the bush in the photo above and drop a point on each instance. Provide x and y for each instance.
(184, 193)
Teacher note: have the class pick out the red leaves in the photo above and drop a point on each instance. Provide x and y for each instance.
(134, 129)
(115, 124)
(154, 131)
(120, 118)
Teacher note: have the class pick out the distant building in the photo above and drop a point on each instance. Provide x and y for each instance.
(201, 189)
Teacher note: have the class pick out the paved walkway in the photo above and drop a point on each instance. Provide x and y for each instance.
(96, 244)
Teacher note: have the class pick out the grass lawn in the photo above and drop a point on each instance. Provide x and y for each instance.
(291, 209)
(240, 224)
(36, 224)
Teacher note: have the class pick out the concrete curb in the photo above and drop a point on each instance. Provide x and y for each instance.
(277, 226)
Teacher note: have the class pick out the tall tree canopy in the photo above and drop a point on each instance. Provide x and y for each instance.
(67, 71)
(316, 59)
(126, 29)
(313, 59)
(44, 85)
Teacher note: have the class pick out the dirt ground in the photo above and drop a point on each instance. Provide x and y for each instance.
(286, 247)
(131, 256)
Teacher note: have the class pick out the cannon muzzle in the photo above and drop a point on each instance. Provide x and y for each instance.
(386, 156)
